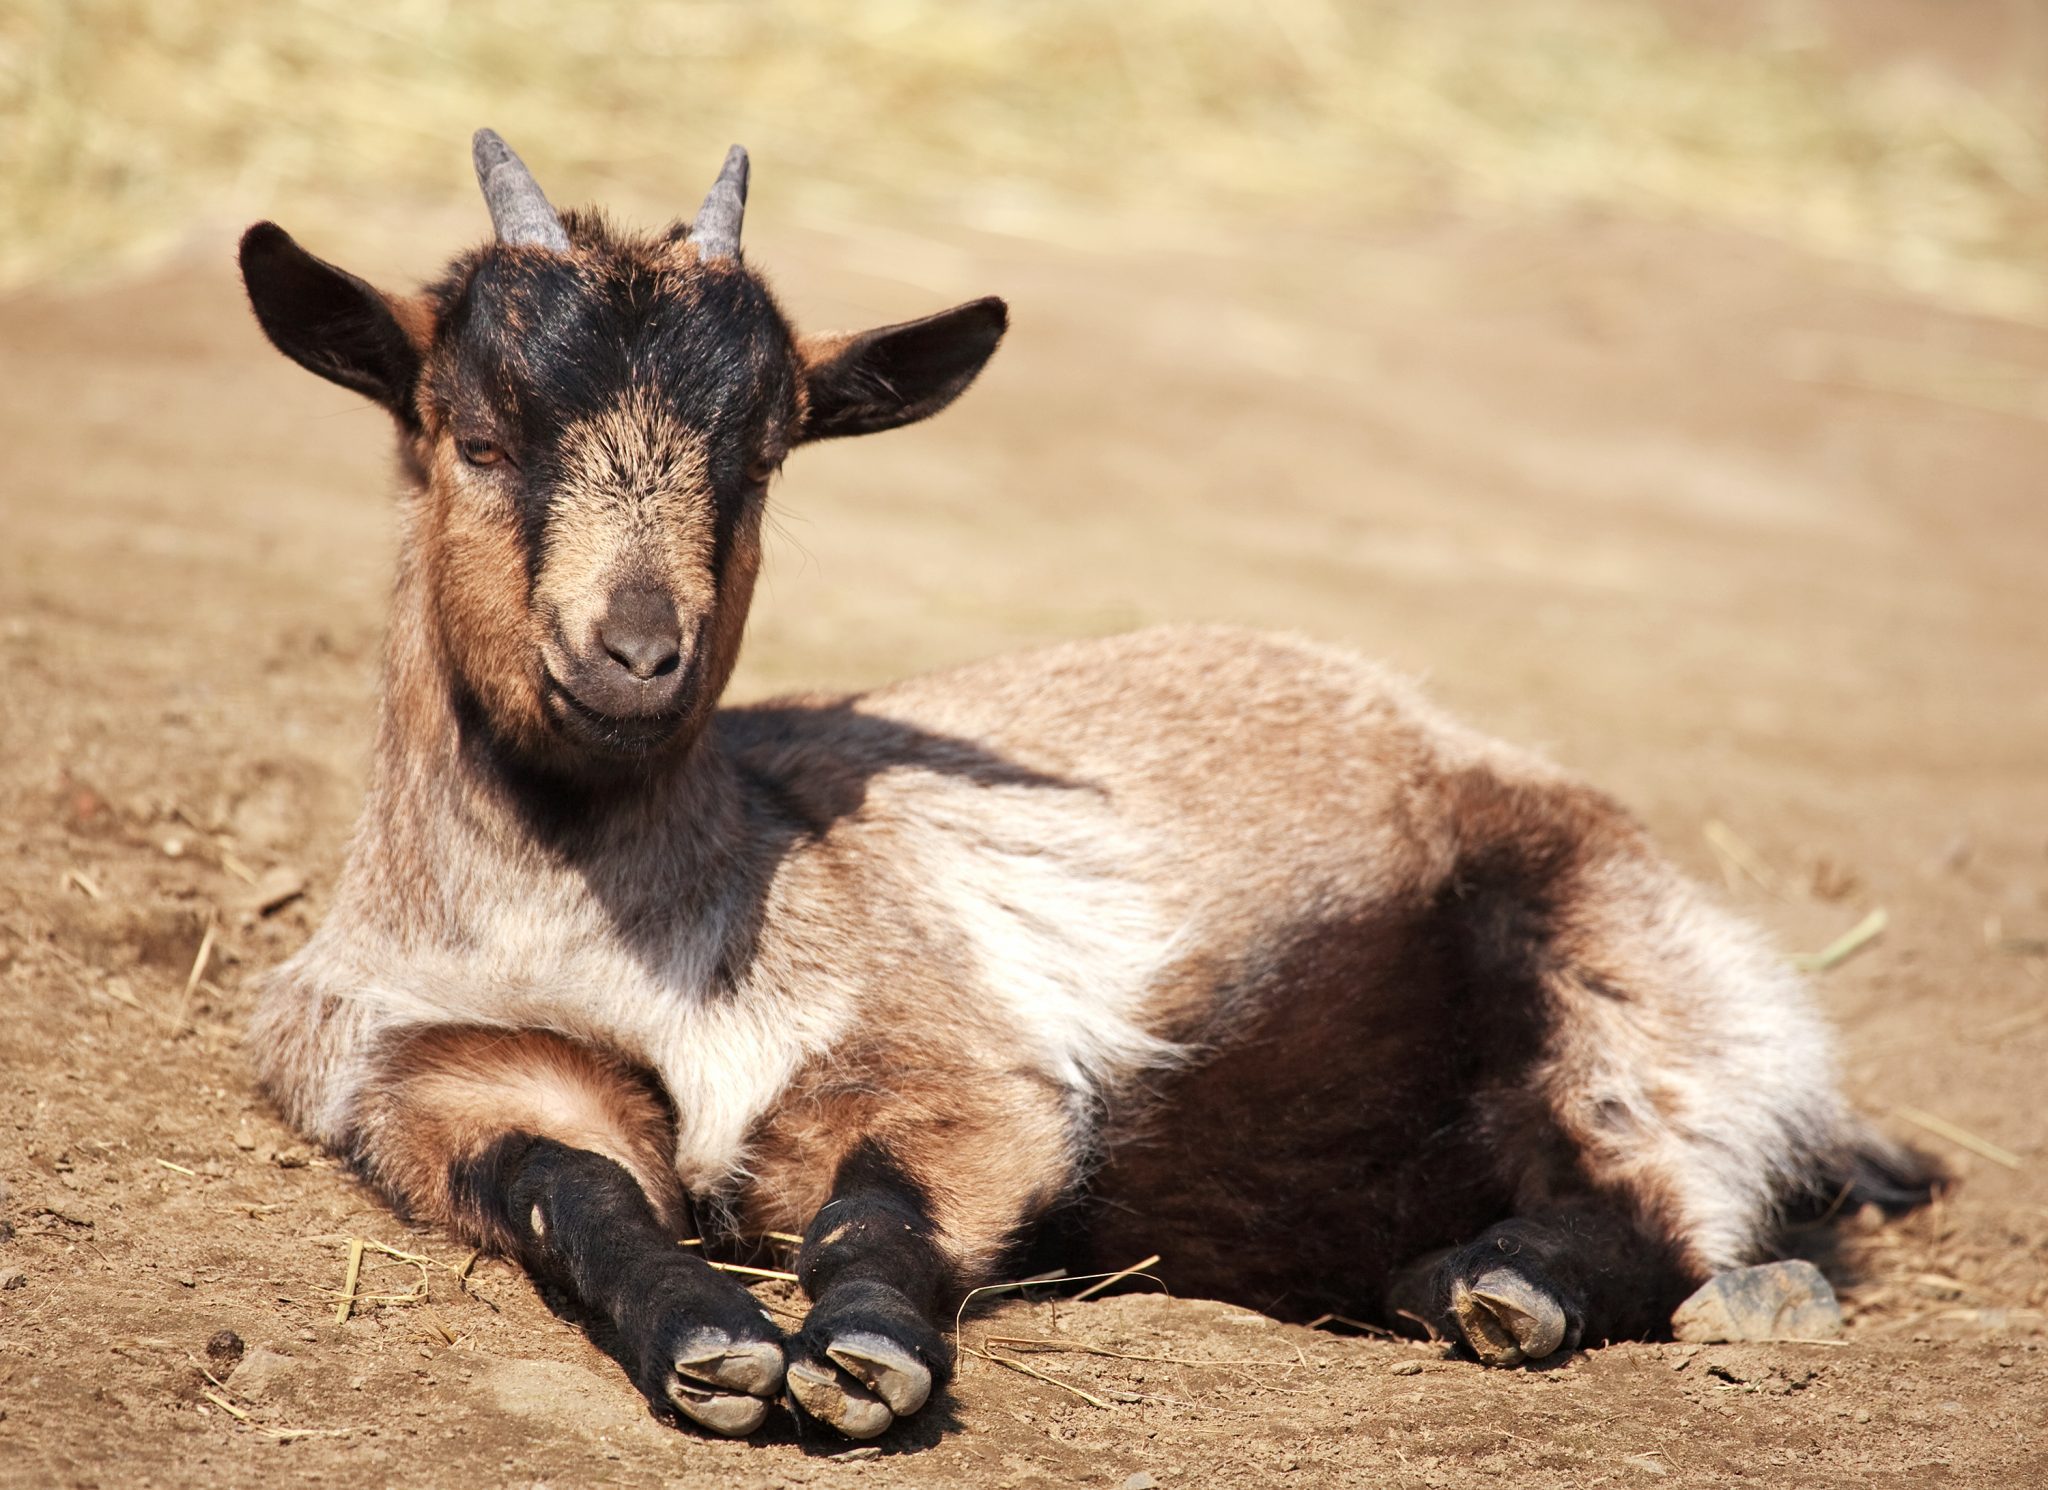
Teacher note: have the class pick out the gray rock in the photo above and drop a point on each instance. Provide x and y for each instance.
(1776, 1301)
(261, 1373)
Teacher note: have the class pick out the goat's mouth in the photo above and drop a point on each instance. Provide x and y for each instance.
(626, 735)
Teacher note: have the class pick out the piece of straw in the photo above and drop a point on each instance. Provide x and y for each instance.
(1117, 1277)
(734, 1267)
(348, 1285)
(1734, 851)
(1082, 1347)
(224, 1405)
(1357, 1324)
(1066, 1386)
(1845, 946)
(192, 978)
(1962, 1137)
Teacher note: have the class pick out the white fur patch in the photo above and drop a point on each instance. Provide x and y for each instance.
(1745, 1104)
(1048, 891)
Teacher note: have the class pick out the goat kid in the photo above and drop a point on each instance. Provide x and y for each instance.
(1218, 945)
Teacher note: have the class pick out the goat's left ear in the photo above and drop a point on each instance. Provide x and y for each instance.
(862, 381)
(330, 322)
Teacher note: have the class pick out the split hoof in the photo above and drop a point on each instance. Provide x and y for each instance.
(724, 1384)
(891, 1371)
(1506, 1319)
(865, 1383)
(728, 1413)
(832, 1396)
(750, 1366)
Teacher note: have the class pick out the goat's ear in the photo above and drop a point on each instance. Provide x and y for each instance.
(328, 321)
(862, 381)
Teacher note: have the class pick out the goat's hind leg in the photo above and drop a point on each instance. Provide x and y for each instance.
(1534, 1285)
(556, 1156)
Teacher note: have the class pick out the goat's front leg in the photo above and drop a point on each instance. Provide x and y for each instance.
(920, 1211)
(557, 1156)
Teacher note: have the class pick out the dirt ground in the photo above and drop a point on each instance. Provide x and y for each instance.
(1753, 543)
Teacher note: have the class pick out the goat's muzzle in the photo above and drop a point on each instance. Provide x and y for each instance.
(629, 689)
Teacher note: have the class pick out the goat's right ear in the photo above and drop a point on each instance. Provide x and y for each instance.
(328, 321)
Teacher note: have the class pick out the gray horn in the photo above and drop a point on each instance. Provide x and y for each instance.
(716, 232)
(519, 212)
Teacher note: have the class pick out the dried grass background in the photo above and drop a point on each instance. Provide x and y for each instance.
(123, 123)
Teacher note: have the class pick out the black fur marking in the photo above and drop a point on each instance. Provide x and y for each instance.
(897, 375)
(869, 1262)
(537, 344)
(601, 1244)
(329, 322)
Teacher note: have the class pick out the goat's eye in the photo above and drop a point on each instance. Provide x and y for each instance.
(761, 472)
(480, 452)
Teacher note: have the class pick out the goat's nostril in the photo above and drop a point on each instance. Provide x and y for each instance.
(643, 656)
(640, 633)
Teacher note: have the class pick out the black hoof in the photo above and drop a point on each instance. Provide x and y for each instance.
(1502, 1298)
(865, 1358)
(711, 1354)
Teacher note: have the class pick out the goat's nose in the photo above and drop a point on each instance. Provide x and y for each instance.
(641, 634)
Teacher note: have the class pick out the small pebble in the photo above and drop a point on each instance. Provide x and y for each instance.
(13, 1278)
(2005, 1361)
(308, 1335)
(225, 1347)
(1141, 1481)
(184, 1280)
(851, 1456)
(1862, 1414)
(1405, 1368)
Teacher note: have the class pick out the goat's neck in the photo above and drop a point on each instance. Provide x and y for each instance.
(448, 820)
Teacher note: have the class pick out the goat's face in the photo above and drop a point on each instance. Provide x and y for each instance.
(598, 431)
(593, 424)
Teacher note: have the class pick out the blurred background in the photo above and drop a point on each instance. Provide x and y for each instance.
(1899, 136)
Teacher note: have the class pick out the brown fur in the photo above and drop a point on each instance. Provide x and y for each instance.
(445, 1095)
(990, 1148)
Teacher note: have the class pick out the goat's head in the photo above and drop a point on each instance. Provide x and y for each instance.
(592, 420)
